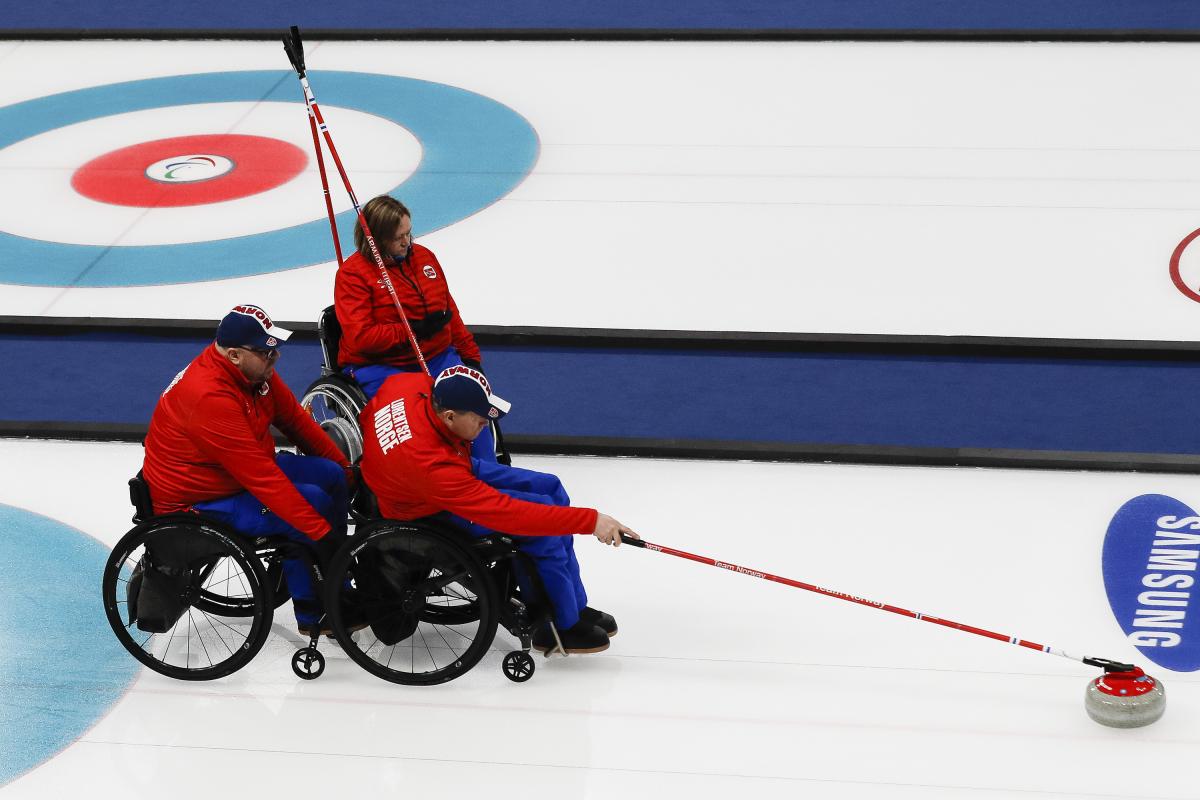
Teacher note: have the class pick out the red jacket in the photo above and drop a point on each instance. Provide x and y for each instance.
(372, 332)
(210, 437)
(417, 467)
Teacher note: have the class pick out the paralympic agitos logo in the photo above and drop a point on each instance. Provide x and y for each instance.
(1149, 563)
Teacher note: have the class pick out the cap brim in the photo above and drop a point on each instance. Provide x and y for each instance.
(282, 334)
(499, 403)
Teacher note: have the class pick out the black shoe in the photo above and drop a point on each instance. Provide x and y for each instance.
(581, 638)
(306, 628)
(604, 622)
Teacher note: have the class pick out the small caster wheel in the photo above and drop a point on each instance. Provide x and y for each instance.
(308, 663)
(518, 666)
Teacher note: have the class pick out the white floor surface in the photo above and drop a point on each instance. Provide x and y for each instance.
(717, 683)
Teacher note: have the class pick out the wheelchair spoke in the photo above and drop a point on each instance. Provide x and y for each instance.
(372, 647)
(443, 638)
(462, 597)
(200, 638)
(217, 632)
(211, 586)
(427, 650)
(211, 620)
(460, 634)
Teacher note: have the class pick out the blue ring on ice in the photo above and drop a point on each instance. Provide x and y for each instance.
(475, 150)
(63, 667)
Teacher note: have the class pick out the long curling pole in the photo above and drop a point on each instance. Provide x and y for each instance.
(337, 244)
(294, 48)
(1106, 664)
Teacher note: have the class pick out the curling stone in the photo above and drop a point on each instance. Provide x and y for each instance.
(1125, 699)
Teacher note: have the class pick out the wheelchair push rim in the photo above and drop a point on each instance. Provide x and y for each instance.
(431, 621)
(200, 644)
(334, 404)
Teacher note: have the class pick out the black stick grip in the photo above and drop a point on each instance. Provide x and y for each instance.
(626, 539)
(1108, 665)
(294, 47)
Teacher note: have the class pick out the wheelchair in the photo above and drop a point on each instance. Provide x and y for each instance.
(188, 596)
(334, 400)
(427, 598)
(415, 603)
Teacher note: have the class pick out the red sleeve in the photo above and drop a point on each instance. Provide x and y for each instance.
(464, 342)
(222, 433)
(352, 299)
(451, 486)
(301, 429)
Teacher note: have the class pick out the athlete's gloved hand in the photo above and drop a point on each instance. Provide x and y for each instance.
(436, 321)
(428, 327)
(326, 548)
(473, 364)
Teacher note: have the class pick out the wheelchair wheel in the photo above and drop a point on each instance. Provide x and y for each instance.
(334, 402)
(427, 602)
(215, 601)
(160, 579)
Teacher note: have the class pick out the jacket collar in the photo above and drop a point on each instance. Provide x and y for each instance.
(439, 426)
(232, 374)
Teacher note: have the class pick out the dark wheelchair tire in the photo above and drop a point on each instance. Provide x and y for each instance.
(308, 663)
(219, 647)
(436, 649)
(518, 666)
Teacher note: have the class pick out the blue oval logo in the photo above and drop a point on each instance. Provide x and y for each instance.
(1150, 556)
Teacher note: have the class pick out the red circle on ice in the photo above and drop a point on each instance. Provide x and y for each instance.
(189, 170)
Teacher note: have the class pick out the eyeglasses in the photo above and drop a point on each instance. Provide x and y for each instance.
(265, 355)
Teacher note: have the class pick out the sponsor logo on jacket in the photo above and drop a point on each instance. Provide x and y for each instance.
(391, 425)
(1149, 563)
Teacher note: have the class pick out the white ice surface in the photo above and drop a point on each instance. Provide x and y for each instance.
(717, 684)
(1019, 189)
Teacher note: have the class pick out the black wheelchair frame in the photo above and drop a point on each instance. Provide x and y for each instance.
(439, 585)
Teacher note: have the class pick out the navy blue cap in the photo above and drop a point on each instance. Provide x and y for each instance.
(464, 389)
(250, 326)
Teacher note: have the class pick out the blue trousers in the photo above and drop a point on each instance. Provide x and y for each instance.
(553, 556)
(323, 484)
(372, 376)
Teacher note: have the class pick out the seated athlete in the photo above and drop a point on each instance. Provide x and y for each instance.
(209, 449)
(416, 458)
(375, 344)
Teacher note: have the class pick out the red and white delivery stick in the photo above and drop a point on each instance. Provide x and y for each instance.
(337, 244)
(294, 48)
(1106, 664)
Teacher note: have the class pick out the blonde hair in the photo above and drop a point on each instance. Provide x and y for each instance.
(383, 215)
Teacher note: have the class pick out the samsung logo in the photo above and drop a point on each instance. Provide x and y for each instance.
(1150, 555)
